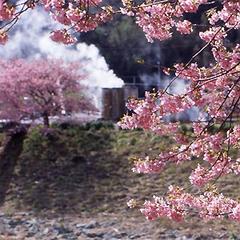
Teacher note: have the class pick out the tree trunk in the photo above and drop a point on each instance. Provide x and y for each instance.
(46, 121)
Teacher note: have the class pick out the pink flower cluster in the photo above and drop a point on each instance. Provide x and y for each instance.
(161, 208)
(200, 176)
(6, 12)
(226, 59)
(131, 203)
(62, 36)
(236, 166)
(190, 5)
(80, 18)
(211, 205)
(214, 36)
(148, 166)
(156, 21)
(184, 27)
(229, 14)
(3, 36)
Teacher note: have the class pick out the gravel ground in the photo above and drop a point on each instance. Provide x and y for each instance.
(23, 225)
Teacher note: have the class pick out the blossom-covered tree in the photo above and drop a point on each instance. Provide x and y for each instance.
(40, 89)
(214, 88)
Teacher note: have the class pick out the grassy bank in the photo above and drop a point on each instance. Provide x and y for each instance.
(84, 170)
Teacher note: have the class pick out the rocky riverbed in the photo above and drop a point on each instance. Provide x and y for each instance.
(23, 225)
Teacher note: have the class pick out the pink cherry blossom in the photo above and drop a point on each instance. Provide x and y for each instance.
(156, 21)
(3, 37)
(191, 5)
(149, 166)
(131, 203)
(62, 36)
(6, 12)
(184, 27)
(200, 176)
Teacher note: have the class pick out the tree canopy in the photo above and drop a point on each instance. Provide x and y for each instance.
(40, 89)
